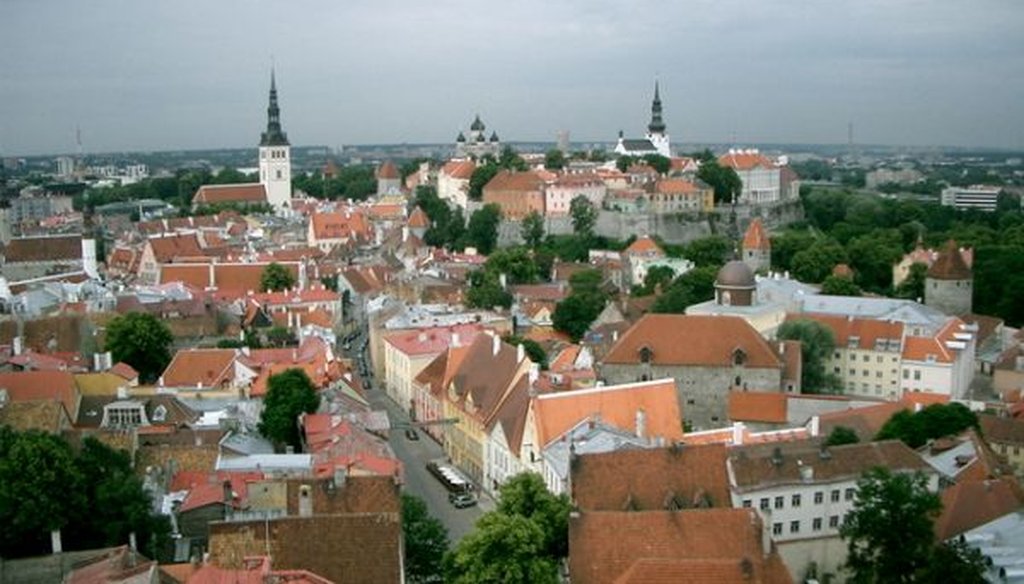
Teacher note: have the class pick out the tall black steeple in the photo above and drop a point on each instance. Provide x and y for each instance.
(273, 136)
(657, 126)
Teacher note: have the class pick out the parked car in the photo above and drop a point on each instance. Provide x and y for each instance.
(462, 500)
(411, 434)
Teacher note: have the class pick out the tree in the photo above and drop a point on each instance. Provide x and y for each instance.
(934, 421)
(912, 288)
(695, 286)
(289, 394)
(275, 278)
(142, 341)
(482, 175)
(955, 561)
(532, 229)
(723, 179)
(516, 263)
(816, 343)
(584, 216)
(656, 277)
(532, 348)
(502, 548)
(486, 291)
(425, 542)
(483, 228)
(708, 251)
(280, 336)
(841, 435)
(526, 495)
(554, 159)
(660, 163)
(839, 286)
(889, 534)
(574, 314)
(815, 263)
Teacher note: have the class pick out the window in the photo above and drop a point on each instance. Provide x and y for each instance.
(835, 495)
(835, 370)
(866, 358)
(865, 372)
(764, 504)
(833, 521)
(794, 527)
(279, 173)
(746, 503)
(917, 375)
(776, 529)
(796, 500)
(906, 374)
(879, 359)
(779, 502)
(819, 497)
(849, 494)
(816, 524)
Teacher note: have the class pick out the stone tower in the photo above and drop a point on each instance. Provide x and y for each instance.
(757, 247)
(275, 158)
(949, 284)
(656, 129)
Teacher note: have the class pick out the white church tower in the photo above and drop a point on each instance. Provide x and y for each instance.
(275, 158)
(656, 129)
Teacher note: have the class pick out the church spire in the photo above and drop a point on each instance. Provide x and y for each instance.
(657, 126)
(273, 136)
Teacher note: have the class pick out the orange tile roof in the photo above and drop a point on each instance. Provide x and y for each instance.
(42, 385)
(713, 341)
(865, 421)
(868, 331)
(192, 367)
(950, 264)
(169, 247)
(387, 171)
(756, 406)
(744, 160)
(507, 180)
(418, 218)
(348, 224)
(616, 405)
(459, 169)
(676, 186)
(756, 236)
(236, 193)
(925, 348)
(644, 245)
(969, 504)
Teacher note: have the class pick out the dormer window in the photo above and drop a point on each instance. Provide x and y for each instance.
(646, 354)
(160, 413)
(739, 357)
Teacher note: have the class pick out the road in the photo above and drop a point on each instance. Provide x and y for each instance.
(414, 455)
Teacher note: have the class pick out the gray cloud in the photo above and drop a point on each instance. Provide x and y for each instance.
(192, 73)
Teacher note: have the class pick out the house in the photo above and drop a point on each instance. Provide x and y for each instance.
(706, 355)
(253, 569)
(760, 176)
(35, 414)
(803, 490)
(453, 181)
(942, 363)
(328, 230)
(558, 195)
(407, 353)
(339, 441)
(590, 436)
(517, 193)
(429, 388)
(355, 519)
(244, 194)
(1005, 435)
(681, 195)
(757, 247)
(53, 386)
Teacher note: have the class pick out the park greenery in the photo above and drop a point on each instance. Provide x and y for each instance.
(276, 278)
(142, 341)
(522, 541)
(890, 534)
(575, 313)
(91, 495)
(289, 394)
(816, 344)
(931, 422)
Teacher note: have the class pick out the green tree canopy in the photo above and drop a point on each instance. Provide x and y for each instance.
(142, 341)
(486, 291)
(584, 216)
(516, 263)
(786, 244)
(912, 288)
(289, 394)
(712, 251)
(483, 228)
(425, 542)
(934, 421)
(275, 278)
(482, 175)
(693, 287)
(532, 229)
(660, 163)
(723, 179)
(527, 496)
(574, 314)
(816, 343)
(815, 263)
(839, 286)
(889, 534)
(554, 159)
(656, 276)
(532, 348)
(503, 548)
(841, 435)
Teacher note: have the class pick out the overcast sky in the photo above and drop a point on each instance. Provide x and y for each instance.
(162, 74)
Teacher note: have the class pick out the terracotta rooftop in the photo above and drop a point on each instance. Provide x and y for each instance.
(757, 406)
(42, 385)
(656, 402)
(646, 246)
(204, 368)
(756, 236)
(744, 160)
(969, 504)
(712, 341)
(866, 421)
(459, 169)
(678, 186)
(866, 331)
(1002, 430)
(234, 193)
(347, 224)
(950, 264)
(507, 180)
(61, 248)
(171, 247)
(387, 171)
(649, 480)
(708, 546)
(418, 218)
(433, 340)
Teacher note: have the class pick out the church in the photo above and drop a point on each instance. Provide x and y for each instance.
(655, 142)
(477, 145)
(275, 163)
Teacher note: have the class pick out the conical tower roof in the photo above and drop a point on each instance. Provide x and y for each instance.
(950, 264)
(274, 136)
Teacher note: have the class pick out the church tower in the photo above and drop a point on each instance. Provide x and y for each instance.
(275, 158)
(948, 285)
(656, 129)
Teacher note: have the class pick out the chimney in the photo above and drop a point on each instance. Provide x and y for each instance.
(503, 279)
(55, 542)
(229, 494)
(455, 339)
(405, 233)
(534, 374)
(766, 536)
(495, 344)
(815, 428)
(133, 549)
(738, 433)
(18, 345)
(641, 423)
(806, 471)
(777, 456)
(89, 265)
(520, 353)
(340, 476)
(305, 501)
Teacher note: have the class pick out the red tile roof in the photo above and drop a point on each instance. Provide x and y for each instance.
(348, 224)
(234, 193)
(228, 279)
(124, 371)
(950, 264)
(744, 160)
(43, 385)
(459, 169)
(616, 405)
(677, 186)
(969, 504)
(200, 367)
(387, 171)
(713, 342)
(44, 249)
(171, 247)
(418, 218)
(756, 236)
(507, 180)
(646, 246)
(756, 406)
(433, 340)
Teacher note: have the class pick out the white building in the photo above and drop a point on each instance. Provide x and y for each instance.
(656, 141)
(453, 182)
(803, 493)
(761, 177)
(979, 197)
(558, 196)
(275, 158)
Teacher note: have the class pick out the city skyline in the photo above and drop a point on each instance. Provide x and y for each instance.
(192, 76)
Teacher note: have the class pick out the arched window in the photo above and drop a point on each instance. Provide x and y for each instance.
(645, 355)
